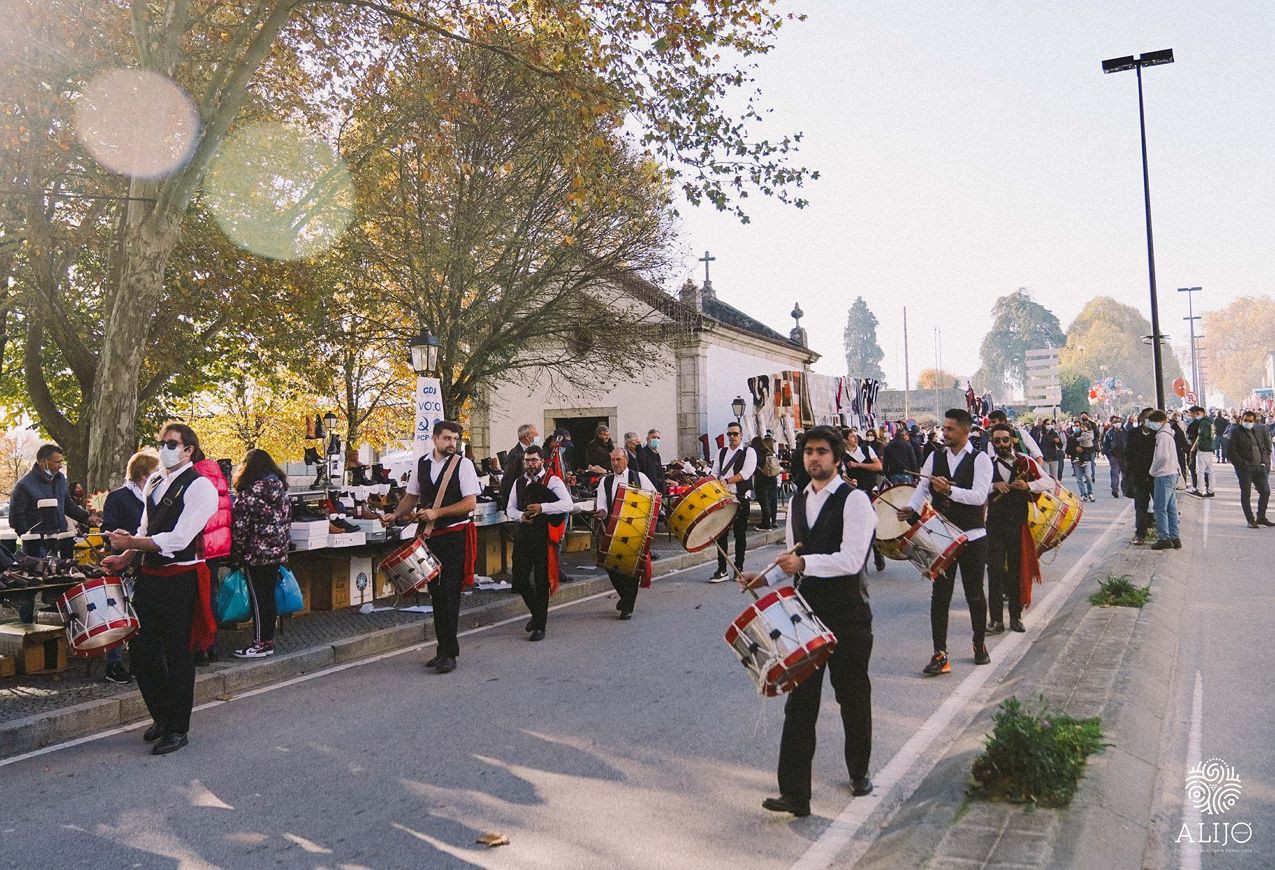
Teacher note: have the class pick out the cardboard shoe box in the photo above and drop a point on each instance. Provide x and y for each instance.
(348, 582)
(36, 649)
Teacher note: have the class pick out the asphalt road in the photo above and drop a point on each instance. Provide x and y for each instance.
(610, 744)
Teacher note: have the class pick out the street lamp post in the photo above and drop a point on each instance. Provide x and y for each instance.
(1191, 318)
(737, 407)
(1120, 64)
(424, 352)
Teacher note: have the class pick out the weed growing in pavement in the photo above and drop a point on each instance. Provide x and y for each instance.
(1034, 756)
(1120, 592)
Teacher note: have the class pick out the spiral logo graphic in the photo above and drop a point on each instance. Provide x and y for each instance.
(1212, 786)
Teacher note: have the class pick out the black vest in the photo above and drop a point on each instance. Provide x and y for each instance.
(536, 493)
(964, 516)
(737, 465)
(429, 488)
(825, 538)
(608, 485)
(1007, 511)
(163, 516)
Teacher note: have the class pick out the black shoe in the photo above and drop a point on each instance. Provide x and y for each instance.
(626, 614)
(1263, 521)
(213, 655)
(938, 665)
(1115, 494)
(1209, 494)
(784, 804)
(538, 634)
(880, 563)
(169, 743)
(1177, 543)
(312, 457)
(980, 654)
(153, 733)
(997, 627)
(718, 576)
(1253, 525)
(1017, 625)
(860, 787)
(531, 623)
(1138, 542)
(445, 665)
(1167, 544)
(118, 674)
(201, 659)
(434, 661)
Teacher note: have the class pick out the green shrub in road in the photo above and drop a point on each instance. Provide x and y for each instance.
(1119, 592)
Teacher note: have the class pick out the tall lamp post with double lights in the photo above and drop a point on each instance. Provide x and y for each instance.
(1121, 64)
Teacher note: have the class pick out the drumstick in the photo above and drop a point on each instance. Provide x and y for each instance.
(762, 573)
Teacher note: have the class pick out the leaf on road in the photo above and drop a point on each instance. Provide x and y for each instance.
(493, 840)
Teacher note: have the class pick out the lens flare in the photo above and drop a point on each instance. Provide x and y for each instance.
(137, 123)
(279, 192)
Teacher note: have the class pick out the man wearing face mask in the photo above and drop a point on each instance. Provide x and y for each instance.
(649, 461)
(1250, 453)
(172, 591)
(1202, 452)
(528, 434)
(1165, 471)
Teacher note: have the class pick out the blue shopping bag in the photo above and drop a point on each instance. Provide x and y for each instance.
(287, 593)
(232, 604)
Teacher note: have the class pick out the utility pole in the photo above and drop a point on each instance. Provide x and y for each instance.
(907, 376)
(1196, 386)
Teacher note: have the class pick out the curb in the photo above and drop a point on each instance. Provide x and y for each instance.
(29, 733)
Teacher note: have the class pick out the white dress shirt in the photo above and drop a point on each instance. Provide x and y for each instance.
(600, 502)
(561, 505)
(728, 460)
(199, 504)
(976, 495)
(858, 525)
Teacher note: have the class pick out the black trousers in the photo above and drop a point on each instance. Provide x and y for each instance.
(1250, 477)
(972, 561)
(767, 491)
(837, 603)
(627, 587)
(444, 590)
(1141, 500)
(262, 580)
(1004, 564)
(161, 657)
(740, 529)
(530, 572)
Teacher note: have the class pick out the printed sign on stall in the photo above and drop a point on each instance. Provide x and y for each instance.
(429, 410)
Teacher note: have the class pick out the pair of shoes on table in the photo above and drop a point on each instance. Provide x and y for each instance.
(785, 804)
(980, 654)
(938, 665)
(170, 742)
(258, 650)
(997, 627)
(1017, 625)
(118, 674)
(719, 576)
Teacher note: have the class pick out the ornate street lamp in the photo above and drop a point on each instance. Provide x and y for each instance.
(424, 352)
(737, 407)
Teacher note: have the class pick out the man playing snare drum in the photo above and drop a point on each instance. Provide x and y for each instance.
(833, 525)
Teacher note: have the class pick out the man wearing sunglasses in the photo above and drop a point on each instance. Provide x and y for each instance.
(1011, 552)
(734, 466)
(171, 595)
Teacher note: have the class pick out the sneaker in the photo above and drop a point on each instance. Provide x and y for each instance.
(1253, 525)
(938, 665)
(1138, 542)
(1263, 521)
(1210, 494)
(1162, 544)
(1177, 543)
(256, 651)
(1194, 492)
(117, 673)
(718, 577)
(980, 654)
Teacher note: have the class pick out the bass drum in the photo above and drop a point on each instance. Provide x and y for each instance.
(700, 516)
(629, 531)
(891, 529)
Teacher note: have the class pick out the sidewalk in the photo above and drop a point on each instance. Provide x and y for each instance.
(1116, 663)
(37, 711)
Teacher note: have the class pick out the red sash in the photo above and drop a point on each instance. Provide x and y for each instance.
(203, 628)
(471, 548)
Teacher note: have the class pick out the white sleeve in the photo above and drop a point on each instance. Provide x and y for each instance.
(564, 504)
(513, 510)
(717, 463)
(750, 462)
(599, 501)
(468, 479)
(645, 482)
(977, 494)
(858, 525)
(1033, 449)
(413, 485)
(1043, 483)
(922, 494)
(200, 503)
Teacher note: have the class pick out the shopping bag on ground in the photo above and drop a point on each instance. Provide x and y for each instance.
(232, 603)
(287, 593)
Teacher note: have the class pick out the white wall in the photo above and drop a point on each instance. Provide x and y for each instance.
(730, 365)
(639, 404)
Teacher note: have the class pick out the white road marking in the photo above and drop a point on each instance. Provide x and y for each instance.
(1208, 505)
(904, 772)
(334, 669)
(1191, 853)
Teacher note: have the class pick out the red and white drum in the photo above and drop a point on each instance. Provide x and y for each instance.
(933, 544)
(98, 615)
(411, 567)
(780, 641)
(700, 516)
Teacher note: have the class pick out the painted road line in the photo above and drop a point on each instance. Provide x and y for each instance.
(1191, 853)
(333, 669)
(903, 773)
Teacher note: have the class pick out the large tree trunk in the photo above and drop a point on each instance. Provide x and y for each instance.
(113, 410)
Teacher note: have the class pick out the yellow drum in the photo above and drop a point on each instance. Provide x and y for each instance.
(629, 531)
(700, 516)
(1052, 517)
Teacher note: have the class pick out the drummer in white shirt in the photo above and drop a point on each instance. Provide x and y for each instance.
(623, 473)
(734, 466)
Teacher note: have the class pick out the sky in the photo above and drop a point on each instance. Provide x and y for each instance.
(970, 149)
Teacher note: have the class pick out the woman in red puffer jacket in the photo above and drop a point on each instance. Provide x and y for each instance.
(216, 532)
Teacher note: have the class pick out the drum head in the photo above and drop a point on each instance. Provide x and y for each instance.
(710, 526)
(887, 501)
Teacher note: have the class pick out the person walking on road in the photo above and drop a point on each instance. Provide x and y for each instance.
(1250, 453)
(1202, 452)
(834, 523)
(623, 473)
(1165, 472)
(1016, 478)
(537, 500)
(735, 465)
(1113, 441)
